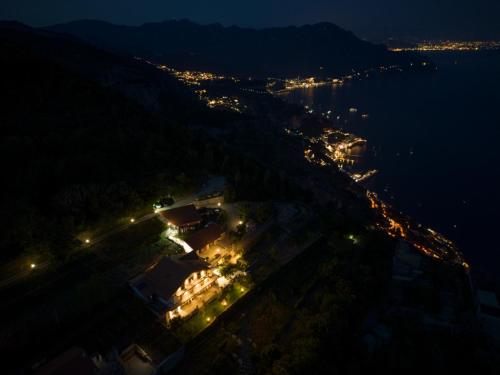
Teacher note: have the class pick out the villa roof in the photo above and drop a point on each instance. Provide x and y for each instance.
(201, 238)
(73, 361)
(184, 215)
(168, 275)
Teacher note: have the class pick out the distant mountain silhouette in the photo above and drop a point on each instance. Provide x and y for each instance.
(323, 49)
(77, 141)
(144, 83)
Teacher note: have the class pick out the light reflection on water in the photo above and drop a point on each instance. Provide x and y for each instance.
(434, 139)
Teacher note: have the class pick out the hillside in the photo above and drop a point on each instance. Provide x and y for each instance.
(90, 136)
(74, 151)
(322, 49)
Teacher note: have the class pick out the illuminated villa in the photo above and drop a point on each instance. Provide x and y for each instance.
(173, 283)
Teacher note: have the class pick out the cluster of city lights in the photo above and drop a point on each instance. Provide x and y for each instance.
(335, 147)
(427, 241)
(278, 85)
(225, 102)
(451, 45)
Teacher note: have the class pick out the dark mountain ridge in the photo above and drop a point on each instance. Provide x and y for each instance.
(136, 80)
(74, 148)
(322, 49)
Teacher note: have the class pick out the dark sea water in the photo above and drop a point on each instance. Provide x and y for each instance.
(435, 138)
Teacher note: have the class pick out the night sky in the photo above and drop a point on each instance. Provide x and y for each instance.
(368, 18)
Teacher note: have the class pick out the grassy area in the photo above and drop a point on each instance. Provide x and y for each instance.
(18, 265)
(132, 238)
(109, 223)
(82, 294)
(189, 328)
(137, 243)
(263, 245)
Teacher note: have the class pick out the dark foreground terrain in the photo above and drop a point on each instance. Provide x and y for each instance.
(89, 138)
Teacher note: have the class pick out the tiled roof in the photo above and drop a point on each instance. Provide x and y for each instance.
(184, 215)
(199, 239)
(168, 275)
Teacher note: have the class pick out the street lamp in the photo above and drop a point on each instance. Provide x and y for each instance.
(240, 222)
(87, 241)
(32, 265)
(218, 204)
(132, 220)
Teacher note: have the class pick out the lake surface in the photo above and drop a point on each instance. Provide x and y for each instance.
(435, 140)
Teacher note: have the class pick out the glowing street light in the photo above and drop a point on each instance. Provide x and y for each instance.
(218, 204)
(132, 220)
(32, 265)
(208, 319)
(224, 303)
(240, 222)
(87, 240)
(242, 289)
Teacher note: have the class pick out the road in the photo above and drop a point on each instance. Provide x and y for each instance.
(5, 283)
(214, 184)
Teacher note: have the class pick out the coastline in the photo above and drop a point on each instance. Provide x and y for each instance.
(424, 145)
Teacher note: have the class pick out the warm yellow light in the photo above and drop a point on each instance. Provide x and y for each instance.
(32, 265)
(219, 204)
(87, 241)
(224, 303)
(242, 289)
(132, 220)
(240, 222)
(208, 319)
(156, 211)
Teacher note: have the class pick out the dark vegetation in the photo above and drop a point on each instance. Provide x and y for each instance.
(313, 317)
(89, 137)
(76, 153)
(82, 303)
(309, 317)
(322, 49)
